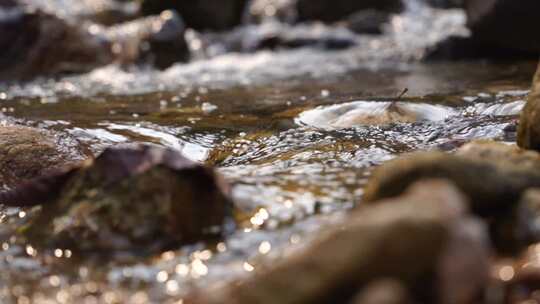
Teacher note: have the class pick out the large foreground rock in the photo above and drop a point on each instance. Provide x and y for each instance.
(139, 198)
(505, 23)
(425, 234)
(493, 175)
(529, 122)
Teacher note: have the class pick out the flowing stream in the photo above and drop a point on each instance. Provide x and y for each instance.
(282, 127)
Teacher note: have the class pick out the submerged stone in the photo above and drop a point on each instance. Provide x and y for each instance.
(358, 113)
(143, 198)
(529, 122)
(410, 238)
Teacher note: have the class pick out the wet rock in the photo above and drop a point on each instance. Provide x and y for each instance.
(201, 14)
(158, 40)
(493, 175)
(141, 198)
(335, 10)
(384, 291)
(27, 152)
(360, 113)
(529, 121)
(403, 238)
(368, 21)
(494, 152)
(504, 23)
(36, 43)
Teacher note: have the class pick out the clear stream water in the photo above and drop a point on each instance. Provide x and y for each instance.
(243, 114)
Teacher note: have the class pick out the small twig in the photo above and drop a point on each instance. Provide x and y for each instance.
(405, 90)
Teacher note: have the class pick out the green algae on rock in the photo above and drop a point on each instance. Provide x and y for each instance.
(529, 122)
(142, 198)
(421, 235)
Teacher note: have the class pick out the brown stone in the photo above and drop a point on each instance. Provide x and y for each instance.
(403, 238)
(492, 175)
(508, 24)
(36, 43)
(529, 122)
(141, 198)
(27, 152)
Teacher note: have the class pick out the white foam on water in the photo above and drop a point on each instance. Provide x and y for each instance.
(354, 114)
